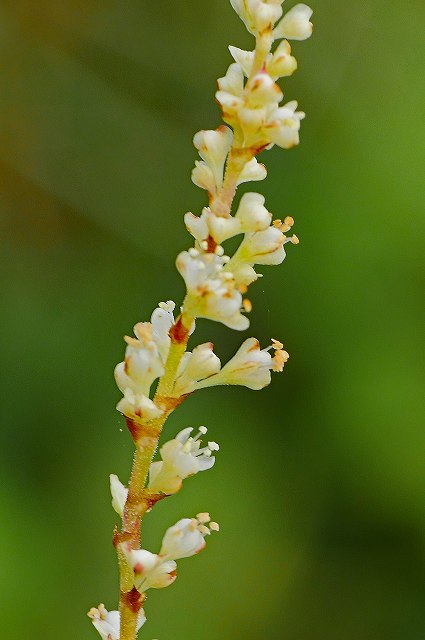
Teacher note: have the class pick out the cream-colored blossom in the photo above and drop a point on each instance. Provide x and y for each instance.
(213, 147)
(194, 366)
(181, 457)
(283, 125)
(144, 362)
(107, 622)
(295, 25)
(249, 367)
(162, 320)
(184, 539)
(138, 407)
(211, 292)
(187, 537)
(252, 171)
(119, 494)
(258, 15)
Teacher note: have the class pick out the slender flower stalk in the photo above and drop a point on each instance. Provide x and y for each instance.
(216, 284)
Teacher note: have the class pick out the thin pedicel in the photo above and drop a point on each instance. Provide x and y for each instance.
(215, 287)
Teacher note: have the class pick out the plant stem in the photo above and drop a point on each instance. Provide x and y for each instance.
(146, 436)
(139, 500)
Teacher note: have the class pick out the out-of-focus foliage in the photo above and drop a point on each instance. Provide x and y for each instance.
(320, 483)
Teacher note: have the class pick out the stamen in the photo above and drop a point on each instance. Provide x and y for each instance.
(294, 239)
(276, 344)
(204, 245)
(194, 253)
(213, 446)
(204, 530)
(219, 251)
(203, 517)
(214, 526)
(247, 305)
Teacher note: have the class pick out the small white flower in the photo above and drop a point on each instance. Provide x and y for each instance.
(211, 292)
(181, 457)
(230, 92)
(203, 177)
(162, 320)
(138, 407)
(150, 571)
(261, 247)
(283, 125)
(252, 213)
(243, 58)
(208, 224)
(281, 64)
(119, 494)
(213, 147)
(250, 366)
(258, 15)
(252, 171)
(295, 25)
(186, 537)
(194, 366)
(262, 91)
(107, 623)
(142, 363)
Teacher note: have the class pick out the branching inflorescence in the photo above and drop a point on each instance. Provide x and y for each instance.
(215, 285)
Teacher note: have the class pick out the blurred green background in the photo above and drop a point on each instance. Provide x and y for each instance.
(319, 486)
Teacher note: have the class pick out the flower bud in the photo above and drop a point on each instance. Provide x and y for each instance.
(295, 24)
(213, 147)
(283, 125)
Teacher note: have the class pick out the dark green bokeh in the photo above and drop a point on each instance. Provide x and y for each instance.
(319, 486)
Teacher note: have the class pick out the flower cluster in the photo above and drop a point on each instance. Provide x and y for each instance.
(144, 362)
(216, 280)
(181, 458)
(158, 570)
(253, 106)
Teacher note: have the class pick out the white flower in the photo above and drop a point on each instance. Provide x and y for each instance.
(250, 366)
(295, 25)
(261, 247)
(186, 537)
(145, 358)
(203, 177)
(281, 64)
(213, 147)
(119, 494)
(283, 125)
(262, 91)
(230, 92)
(278, 65)
(252, 213)
(142, 364)
(194, 366)
(150, 571)
(243, 58)
(108, 622)
(162, 320)
(138, 407)
(252, 171)
(181, 458)
(258, 15)
(208, 224)
(211, 292)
